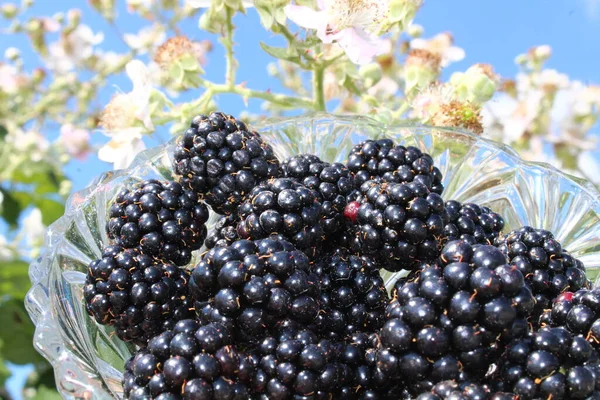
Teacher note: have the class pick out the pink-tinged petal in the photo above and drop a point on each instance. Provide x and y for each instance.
(360, 46)
(321, 4)
(306, 17)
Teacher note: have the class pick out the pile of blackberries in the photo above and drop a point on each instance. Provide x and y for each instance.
(287, 299)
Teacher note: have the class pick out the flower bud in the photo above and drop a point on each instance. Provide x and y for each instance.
(476, 85)
(213, 20)
(12, 53)
(402, 12)
(9, 10)
(414, 30)
(370, 73)
(422, 67)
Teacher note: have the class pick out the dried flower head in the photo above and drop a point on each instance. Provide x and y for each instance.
(441, 44)
(460, 115)
(118, 114)
(487, 70)
(438, 106)
(424, 59)
(175, 48)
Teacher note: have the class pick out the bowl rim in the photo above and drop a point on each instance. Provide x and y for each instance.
(38, 269)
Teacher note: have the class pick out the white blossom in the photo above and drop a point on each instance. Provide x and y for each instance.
(352, 24)
(147, 38)
(71, 50)
(126, 118)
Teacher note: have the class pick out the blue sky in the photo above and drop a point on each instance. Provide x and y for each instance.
(492, 32)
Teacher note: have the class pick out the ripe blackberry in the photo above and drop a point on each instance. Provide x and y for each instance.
(160, 218)
(549, 364)
(221, 159)
(297, 362)
(383, 160)
(452, 390)
(447, 319)
(333, 182)
(190, 362)
(578, 312)
(471, 223)
(549, 270)
(223, 233)
(283, 207)
(256, 283)
(353, 294)
(399, 224)
(136, 294)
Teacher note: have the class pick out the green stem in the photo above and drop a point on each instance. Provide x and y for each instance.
(318, 92)
(228, 43)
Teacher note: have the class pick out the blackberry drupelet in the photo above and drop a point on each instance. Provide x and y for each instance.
(353, 294)
(190, 362)
(219, 158)
(257, 284)
(136, 294)
(471, 223)
(399, 224)
(333, 182)
(548, 364)
(448, 320)
(385, 161)
(283, 207)
(549, 269)
(161, 218)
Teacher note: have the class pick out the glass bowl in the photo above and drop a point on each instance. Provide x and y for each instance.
(88, 359)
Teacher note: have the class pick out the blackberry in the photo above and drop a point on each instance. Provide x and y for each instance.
(471, 223)
(219, 158)
(579, 313)
(161, 218)
(447, 319)
(191, 362)
(333, 182)
(353, 294)
(223, 233)
(286, 207)
(399, 224)
(256, 283)
(297, 362)
(136, 294)
(549, 364)
(549, 269)
(383, 160)
(452, 390)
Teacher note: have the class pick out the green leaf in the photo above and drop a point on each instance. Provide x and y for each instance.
(287, 54)
(10, 208)
(3, 132)
(4, 372)
(16, 331)
(51, 210)
(14, 279)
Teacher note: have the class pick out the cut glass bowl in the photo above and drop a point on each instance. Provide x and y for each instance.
(88, 358)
